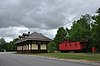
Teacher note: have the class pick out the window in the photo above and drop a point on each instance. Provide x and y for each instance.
(66, 45)
(70, 45)
(38, 46)
(75, 44)
(34, 46)
(43, 46)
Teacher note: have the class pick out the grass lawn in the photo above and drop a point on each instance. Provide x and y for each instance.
(78, 56)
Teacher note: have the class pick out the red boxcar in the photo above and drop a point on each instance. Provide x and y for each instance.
(67, 46)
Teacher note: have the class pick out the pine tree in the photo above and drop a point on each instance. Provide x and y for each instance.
(96, 31)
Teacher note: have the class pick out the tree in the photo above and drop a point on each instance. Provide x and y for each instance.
(2, 41)
(67, 34)
(11, 45)
(96, 30)
(52, 46)
(61, 33)
(98, 11)
(2, 44)
(81, 30)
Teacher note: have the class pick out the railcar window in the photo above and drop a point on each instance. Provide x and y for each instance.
(70, 44)
(75, 44)
(66, 44)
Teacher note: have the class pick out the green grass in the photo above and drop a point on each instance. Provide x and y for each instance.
(78, 56)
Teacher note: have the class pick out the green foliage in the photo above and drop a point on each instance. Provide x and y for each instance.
(2, 44)
(80, 31)
(11, 45)
(7, 46)
(61, 33)
(96, 32)
(52, 46)
(60, 36)
(2, 41)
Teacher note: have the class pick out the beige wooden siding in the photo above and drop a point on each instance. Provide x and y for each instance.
(25, 47)
(34, 46)
(19, 47)
(29, 46)
(43, 46)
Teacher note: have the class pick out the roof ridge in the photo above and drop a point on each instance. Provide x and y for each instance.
(38, 35)
(35, 36)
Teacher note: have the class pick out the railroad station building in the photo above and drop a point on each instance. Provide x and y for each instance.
(32, 43)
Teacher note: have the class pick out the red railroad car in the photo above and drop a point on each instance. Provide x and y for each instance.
(67, 46)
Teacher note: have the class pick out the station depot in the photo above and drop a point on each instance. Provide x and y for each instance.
(32, 43)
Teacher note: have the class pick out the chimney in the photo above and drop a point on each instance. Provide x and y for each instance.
(28, 33)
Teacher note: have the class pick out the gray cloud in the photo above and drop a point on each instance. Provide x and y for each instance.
(44, 15)
(31, 13)
(12, 32)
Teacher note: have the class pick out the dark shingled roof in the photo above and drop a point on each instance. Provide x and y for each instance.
(34, 36)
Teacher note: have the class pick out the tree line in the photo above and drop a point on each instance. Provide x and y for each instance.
(85, 29)
(7, 46)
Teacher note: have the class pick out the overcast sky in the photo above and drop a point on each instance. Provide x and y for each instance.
(43, 16)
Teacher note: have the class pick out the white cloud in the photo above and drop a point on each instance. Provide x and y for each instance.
(12, 32)
(8, 39)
